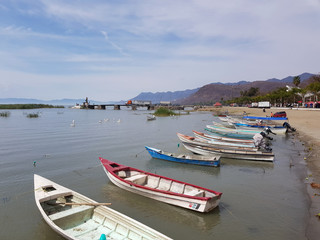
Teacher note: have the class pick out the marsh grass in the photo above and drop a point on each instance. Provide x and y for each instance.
(4, 114)
(33, 115)
(27, 106)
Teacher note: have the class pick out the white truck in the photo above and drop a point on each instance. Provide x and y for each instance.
(264, 105)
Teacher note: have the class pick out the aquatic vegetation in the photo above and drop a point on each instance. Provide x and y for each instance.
(4, 114)
(32, 115)
(163, 112)
(27, 106)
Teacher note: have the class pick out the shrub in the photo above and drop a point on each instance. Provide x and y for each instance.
(33, 115)
(164, 112)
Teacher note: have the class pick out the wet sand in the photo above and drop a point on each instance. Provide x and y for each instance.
(306, 122)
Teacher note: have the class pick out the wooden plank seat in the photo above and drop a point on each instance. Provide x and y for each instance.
(164, 184)
(195, 193)
(139, 179)
(69, 212)
(152, 182)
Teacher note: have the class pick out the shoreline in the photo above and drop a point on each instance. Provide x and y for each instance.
(305, 121)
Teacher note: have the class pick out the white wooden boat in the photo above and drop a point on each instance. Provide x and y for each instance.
(241, 132)
(213, 161)
(212, 136)
(222, 145)
(161, 188)
(75, 216)
(230, 153)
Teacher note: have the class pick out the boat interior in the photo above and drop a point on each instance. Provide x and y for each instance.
(159, 183)
(87, 222)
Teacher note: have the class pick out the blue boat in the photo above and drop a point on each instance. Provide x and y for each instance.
(256, 125)
(211, 160)
(266, 118)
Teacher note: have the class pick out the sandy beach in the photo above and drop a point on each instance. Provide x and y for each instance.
(306, 122)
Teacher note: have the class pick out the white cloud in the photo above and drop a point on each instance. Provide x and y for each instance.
(157, 45)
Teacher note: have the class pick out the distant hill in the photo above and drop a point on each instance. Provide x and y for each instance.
(214, 92)
(164, 96)
(209, 93)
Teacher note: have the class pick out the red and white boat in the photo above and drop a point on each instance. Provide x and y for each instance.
(161, 188)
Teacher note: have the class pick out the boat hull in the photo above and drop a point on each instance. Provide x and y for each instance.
(200, 204)
(241, 155)
(237, 146)
(214, 161)
(84, 218)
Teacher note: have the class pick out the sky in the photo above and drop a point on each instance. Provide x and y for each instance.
(111, 50)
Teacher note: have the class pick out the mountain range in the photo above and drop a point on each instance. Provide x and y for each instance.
(209, 93)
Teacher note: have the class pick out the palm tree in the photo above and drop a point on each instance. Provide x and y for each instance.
(296, 81)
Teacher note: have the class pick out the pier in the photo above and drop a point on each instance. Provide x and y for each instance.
(134, 105)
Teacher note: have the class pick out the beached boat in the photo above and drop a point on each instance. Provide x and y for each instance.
(213, 136)
(230, 153)
(266, 118)
(213, 160)
(241, 132)
(161, 188)
(257, 125)
(222, 145)
(75, 216)
(229, 132)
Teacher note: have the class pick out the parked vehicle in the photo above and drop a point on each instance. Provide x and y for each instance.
(264, 105)
(280, 114)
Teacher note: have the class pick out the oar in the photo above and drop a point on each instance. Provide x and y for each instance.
(87, 204)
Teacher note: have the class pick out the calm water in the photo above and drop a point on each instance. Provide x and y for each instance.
(259, 201)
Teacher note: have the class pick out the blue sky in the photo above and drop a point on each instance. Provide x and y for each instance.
(113, 50)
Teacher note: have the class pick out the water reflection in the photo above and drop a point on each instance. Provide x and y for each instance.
(153, 210)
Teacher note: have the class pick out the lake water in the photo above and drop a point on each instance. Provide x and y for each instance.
(259, 201)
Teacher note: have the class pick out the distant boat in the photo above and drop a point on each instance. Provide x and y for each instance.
(161, 188)
(77, 106)
(212, 160)
(150, 118)
(73, 123)
(75, 216)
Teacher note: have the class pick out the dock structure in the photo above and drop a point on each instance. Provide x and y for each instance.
(134, 105)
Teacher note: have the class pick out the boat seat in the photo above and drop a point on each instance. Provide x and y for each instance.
(152, 182)
(164, 184)
(139, 179)
(177, 187)
(195, 193)
(122, 174)
(72, 211)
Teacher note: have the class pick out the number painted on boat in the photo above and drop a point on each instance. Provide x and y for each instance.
(194, 205)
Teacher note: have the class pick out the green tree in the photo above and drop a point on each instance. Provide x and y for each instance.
(296, 81)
